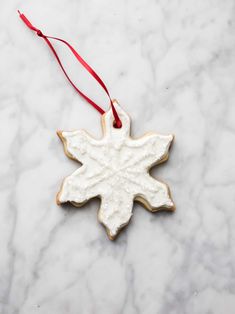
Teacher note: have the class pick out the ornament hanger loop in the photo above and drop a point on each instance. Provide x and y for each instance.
(118, 122)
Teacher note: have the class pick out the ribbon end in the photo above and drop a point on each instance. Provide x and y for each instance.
(19, 12)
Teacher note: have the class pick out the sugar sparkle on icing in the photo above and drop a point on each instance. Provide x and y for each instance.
(115, 168)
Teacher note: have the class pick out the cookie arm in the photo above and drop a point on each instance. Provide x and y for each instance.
(156, 147)
(78, 188)
(77, 144)
(154, 195)
(115, 212)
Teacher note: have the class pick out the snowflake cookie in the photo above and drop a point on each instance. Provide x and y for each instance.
(115, 169)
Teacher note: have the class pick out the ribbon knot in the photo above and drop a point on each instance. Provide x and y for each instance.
(39, 33)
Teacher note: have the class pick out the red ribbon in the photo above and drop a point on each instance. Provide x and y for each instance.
(118, 122)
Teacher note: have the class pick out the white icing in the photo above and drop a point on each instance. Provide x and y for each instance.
(115, 168)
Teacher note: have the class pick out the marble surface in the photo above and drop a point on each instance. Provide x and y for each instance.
(171, 65)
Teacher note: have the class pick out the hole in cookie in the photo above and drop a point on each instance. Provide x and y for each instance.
(117, 125)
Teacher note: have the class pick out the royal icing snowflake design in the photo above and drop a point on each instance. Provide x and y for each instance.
(115, 169)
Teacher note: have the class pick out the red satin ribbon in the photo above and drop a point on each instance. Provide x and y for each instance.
(118, 122)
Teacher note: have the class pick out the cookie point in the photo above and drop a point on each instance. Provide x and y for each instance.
(59, 133)
(172, 207)
(111, 237)
(114, 101)
(58, 202)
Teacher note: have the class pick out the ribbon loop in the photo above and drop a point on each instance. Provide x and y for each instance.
(118, 123)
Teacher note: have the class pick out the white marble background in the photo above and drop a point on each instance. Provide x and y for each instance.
(171, 65)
